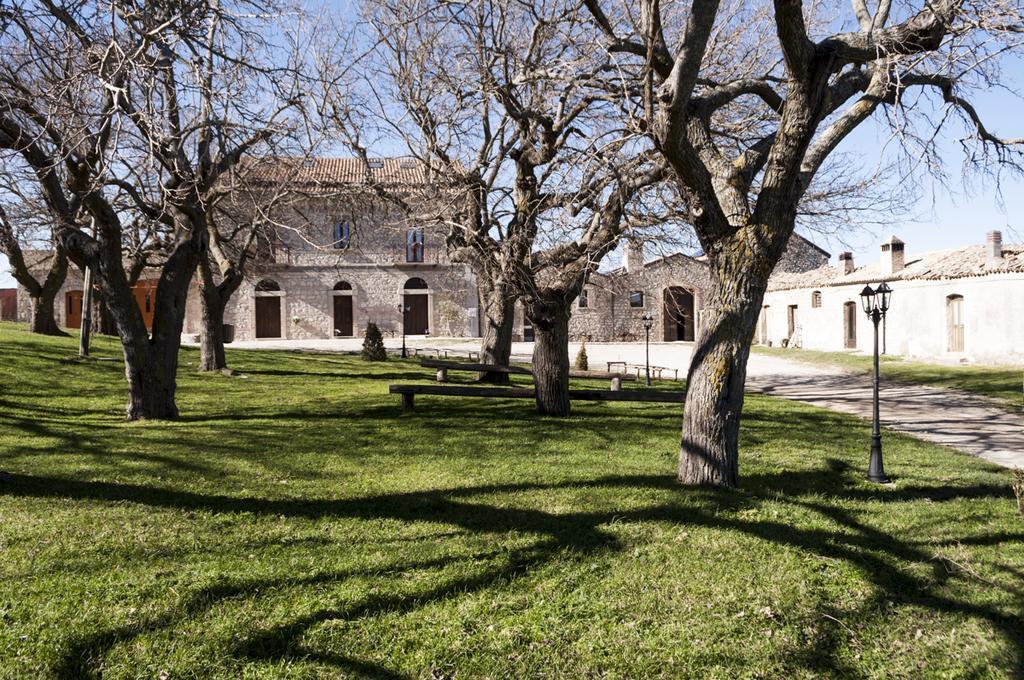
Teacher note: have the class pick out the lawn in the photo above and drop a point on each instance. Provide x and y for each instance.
(1003, 384)
(295, 524)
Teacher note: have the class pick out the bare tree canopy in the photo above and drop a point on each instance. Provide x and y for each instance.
(747, 101)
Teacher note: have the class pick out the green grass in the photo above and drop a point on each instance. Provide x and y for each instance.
(1003, 384)
(294, 523)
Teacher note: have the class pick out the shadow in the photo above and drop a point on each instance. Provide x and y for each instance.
(885, 560)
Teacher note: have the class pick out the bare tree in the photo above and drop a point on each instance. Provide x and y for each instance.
(746, 102)
(92, 97)
(26, 233)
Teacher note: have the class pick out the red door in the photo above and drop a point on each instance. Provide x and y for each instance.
(73, 309)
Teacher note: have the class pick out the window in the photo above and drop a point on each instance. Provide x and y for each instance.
(636, 298)
(414, 245)
(816, 299)
(342, 235)
(584, 301)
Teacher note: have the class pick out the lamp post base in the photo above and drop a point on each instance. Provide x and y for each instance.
(876, 471)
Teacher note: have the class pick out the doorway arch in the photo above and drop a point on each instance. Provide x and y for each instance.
(678, 318)
(268, 309)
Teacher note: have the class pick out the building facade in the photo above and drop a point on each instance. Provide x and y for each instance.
(963, 304)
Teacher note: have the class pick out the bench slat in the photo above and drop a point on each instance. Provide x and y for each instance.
(518, 370)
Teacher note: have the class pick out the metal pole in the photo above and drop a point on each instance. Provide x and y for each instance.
(876, 471)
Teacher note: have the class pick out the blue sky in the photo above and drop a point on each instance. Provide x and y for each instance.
(945, 216)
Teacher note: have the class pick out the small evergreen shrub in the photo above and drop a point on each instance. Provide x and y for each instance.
(373, 344)
(581, 358)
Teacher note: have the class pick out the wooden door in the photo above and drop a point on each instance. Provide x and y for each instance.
(955, 322)
(73, 309)
(416, 317)
(268, 316)
(850, 325)
(342, 316)
(791, 320)
(145, 298)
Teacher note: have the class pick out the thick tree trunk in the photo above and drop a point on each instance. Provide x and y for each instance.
(496, 344)
(211, 336)
(551, 358)
(709, 451)
(43, 320)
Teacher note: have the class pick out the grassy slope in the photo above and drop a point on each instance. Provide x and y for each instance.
(295, 524)
(1001, 383)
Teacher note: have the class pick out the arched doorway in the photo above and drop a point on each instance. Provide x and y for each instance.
(416, 314)
(850, 325)
(342, 294)
(679, 320)
(268, 309)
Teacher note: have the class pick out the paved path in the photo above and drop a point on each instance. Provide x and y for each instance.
(956, 419)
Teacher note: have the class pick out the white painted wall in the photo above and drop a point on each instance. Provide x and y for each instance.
(916, 323)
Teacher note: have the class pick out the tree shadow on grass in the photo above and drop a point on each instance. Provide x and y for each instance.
(877, 555)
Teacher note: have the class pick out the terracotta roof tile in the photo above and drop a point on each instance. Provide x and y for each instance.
(335, 171)
(939, 264)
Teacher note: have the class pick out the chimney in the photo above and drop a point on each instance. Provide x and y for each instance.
(846, 262)
(892, 256)
(994, 249)
(633, 256)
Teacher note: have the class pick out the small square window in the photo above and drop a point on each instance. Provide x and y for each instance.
(816, 299)
(636, 299)
(584, 300)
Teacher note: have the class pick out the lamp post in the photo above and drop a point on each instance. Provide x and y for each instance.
(648, 324)
(876, 304)
(402, 309)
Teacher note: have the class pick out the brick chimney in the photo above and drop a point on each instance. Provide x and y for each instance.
(994, 249)
(846, 262)
(892, 256)
(633, 256)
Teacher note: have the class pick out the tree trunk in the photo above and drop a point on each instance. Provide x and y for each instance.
(709, 451)
(211, 337)
(551, 357)
(496, 344)
(43, 320)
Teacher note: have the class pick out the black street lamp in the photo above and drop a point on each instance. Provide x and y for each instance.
(876, 304)
(648, 324)
(402, 309)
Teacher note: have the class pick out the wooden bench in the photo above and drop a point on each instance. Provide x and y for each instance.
(409, 392)
(444, 366)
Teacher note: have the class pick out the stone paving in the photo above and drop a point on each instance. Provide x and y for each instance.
(959, 420)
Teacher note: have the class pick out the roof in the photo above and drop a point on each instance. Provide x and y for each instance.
(621, 271)
(810, 243)
(936, 265)
(333, 171)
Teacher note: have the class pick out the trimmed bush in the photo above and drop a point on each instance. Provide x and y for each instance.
(581, 358)
(373, 344)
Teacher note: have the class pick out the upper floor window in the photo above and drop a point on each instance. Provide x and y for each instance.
(636, 298)
(342, 235)
(584, 299)
(816, 299)
(414, 245)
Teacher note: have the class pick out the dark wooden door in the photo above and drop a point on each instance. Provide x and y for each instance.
(73, 309)
(342, 316)
(415, 318)
(268, 317)
(850, 325)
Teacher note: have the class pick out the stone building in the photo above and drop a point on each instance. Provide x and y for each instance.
(673, 289)
(343, 260)
(959, 304)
